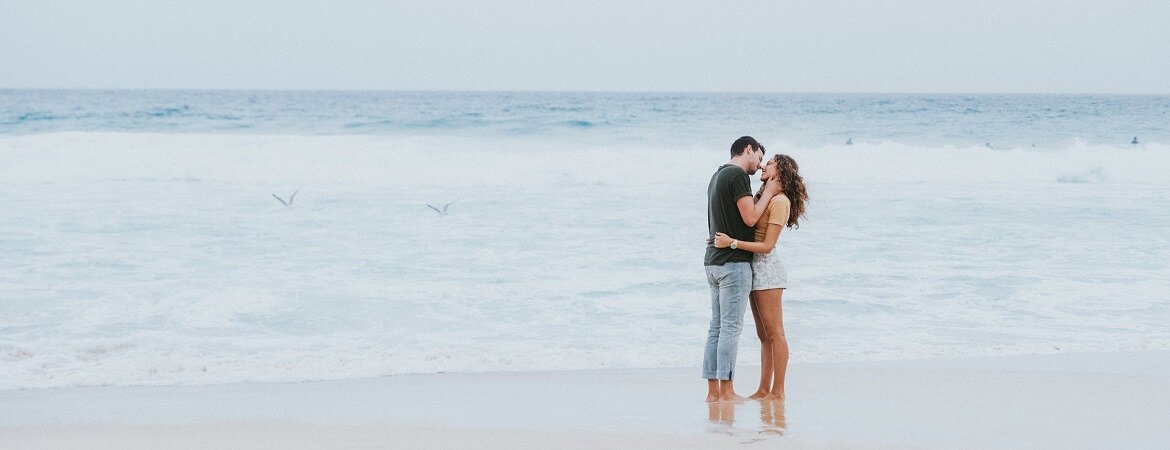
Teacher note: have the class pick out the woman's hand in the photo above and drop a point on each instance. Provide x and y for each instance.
(722, 240)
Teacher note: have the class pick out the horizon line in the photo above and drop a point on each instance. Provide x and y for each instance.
(571, 91)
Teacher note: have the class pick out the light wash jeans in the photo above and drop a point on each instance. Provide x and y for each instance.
(731, 284)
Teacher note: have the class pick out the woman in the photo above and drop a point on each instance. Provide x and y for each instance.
(768, 276)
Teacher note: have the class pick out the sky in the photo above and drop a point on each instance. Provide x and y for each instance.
(990, 46)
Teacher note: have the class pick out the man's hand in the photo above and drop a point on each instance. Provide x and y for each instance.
(772, 187)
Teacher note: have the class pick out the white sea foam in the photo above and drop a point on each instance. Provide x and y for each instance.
(433, 161)
(163, 259)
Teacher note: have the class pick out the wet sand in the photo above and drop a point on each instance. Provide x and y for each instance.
(1041, 401)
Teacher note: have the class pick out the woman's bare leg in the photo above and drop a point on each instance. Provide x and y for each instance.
(765, 352)
(772, 316)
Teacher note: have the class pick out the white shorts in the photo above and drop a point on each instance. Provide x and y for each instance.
(768, 272)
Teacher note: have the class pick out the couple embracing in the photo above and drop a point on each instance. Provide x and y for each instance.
(743, 267)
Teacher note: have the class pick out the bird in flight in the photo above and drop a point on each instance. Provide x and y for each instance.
(290, 198)
(442, 211)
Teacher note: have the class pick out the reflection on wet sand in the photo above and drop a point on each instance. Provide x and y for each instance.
(772, 416)
(721, 415)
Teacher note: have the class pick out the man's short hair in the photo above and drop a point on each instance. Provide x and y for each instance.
(741, 144)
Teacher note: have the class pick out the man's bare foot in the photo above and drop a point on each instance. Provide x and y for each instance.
(732, 398)
(712, 398)
(773, 396)
(758, 395)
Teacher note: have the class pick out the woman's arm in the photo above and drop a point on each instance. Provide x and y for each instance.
(769, 242)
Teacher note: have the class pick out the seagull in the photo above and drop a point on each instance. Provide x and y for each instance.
(442, 211)
(849, 142)
(290, 198)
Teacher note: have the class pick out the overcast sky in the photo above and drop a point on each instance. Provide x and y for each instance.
(625, 45)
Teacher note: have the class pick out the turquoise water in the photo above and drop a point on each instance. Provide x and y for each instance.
(802, 119)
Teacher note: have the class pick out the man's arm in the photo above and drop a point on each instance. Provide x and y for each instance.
(776, 223)
(751, 210)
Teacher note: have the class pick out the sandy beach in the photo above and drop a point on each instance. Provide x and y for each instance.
(462, 224)
(1083, 400)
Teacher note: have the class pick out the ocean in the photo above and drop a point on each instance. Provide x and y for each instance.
(141, 242)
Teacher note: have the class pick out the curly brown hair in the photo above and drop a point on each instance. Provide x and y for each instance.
(792, 186)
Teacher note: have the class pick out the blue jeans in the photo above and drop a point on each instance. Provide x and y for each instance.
(730, 284)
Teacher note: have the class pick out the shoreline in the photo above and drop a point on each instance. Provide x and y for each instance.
(1047, 401)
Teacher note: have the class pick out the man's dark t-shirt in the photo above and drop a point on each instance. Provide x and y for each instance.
(729, 184)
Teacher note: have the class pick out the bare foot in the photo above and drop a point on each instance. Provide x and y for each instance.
(712, 398)
(732, 398)
(773, 396)
(758, 395)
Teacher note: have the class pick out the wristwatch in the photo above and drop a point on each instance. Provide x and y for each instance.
(734, 244)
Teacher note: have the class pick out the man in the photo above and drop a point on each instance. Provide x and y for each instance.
(731, 210)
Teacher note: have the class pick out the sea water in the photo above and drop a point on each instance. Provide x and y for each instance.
(141, 243)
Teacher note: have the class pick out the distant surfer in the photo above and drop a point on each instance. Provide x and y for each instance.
(850, 141)
(1135, 142)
